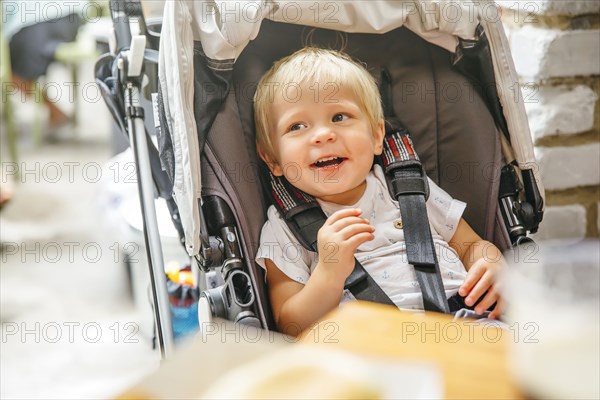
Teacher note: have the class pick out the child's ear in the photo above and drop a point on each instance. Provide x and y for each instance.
(378, 136)
(274, 166)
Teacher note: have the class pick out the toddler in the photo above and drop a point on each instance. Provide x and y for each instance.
(319, 123)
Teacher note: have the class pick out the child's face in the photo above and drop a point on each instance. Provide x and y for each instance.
(323, 141)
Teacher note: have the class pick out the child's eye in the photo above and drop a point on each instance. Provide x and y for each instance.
(296, 127)
(339, 117)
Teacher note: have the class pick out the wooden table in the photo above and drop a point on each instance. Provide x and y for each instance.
(473, 359)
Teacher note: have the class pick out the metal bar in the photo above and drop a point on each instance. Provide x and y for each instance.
(139, 145)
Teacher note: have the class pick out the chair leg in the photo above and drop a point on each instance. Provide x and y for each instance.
(11, 133)
(37, 127)
(75, 97)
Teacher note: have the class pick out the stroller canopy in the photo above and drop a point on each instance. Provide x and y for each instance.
(226, 27)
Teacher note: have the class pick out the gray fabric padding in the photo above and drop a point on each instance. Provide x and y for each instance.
(230, 171)
(453, 131)
(501, 237)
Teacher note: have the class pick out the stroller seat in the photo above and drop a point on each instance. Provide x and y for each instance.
(453, 131)
(448, 91)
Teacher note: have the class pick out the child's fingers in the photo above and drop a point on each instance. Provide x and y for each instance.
(490, 298)
(343, 213)
(498, 310)
(473, 276)
(347, 221)
(359, 239)
(479, 289)
(354, 229)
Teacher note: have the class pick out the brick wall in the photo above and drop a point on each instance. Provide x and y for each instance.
(556, 49)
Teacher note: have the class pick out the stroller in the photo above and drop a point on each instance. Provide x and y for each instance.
(451, 78)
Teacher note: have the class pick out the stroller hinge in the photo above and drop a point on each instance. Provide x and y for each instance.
(519, 216)
(235, 299)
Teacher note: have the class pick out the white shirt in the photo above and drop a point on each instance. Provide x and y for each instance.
(384, 257)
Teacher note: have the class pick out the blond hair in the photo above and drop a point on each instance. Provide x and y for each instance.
(309, 65)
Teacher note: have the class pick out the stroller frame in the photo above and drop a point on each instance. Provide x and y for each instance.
(120, 76)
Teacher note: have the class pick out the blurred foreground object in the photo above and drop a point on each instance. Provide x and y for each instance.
(311, 372)
(553, 309)
(450, 359)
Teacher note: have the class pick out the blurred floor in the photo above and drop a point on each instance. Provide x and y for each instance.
(69, 326)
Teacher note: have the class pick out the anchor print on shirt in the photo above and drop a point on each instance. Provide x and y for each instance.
(441, 201)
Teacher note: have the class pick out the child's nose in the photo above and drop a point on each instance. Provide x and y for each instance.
(323, 135)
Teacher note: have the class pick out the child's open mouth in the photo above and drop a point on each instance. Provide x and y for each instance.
(330, 162)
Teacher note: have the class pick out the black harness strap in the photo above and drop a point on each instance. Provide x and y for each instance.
(304, 217)
(407, 183)
(363, 286)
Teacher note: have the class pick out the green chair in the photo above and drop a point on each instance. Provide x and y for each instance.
(72, 54)
(7, 109)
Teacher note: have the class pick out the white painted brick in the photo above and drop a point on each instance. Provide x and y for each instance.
(567, 167)
(541, 53)
(559, 110)
(562, 222)
(529, 8)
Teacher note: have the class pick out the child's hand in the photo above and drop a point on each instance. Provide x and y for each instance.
(481, 278)
(338, 239)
